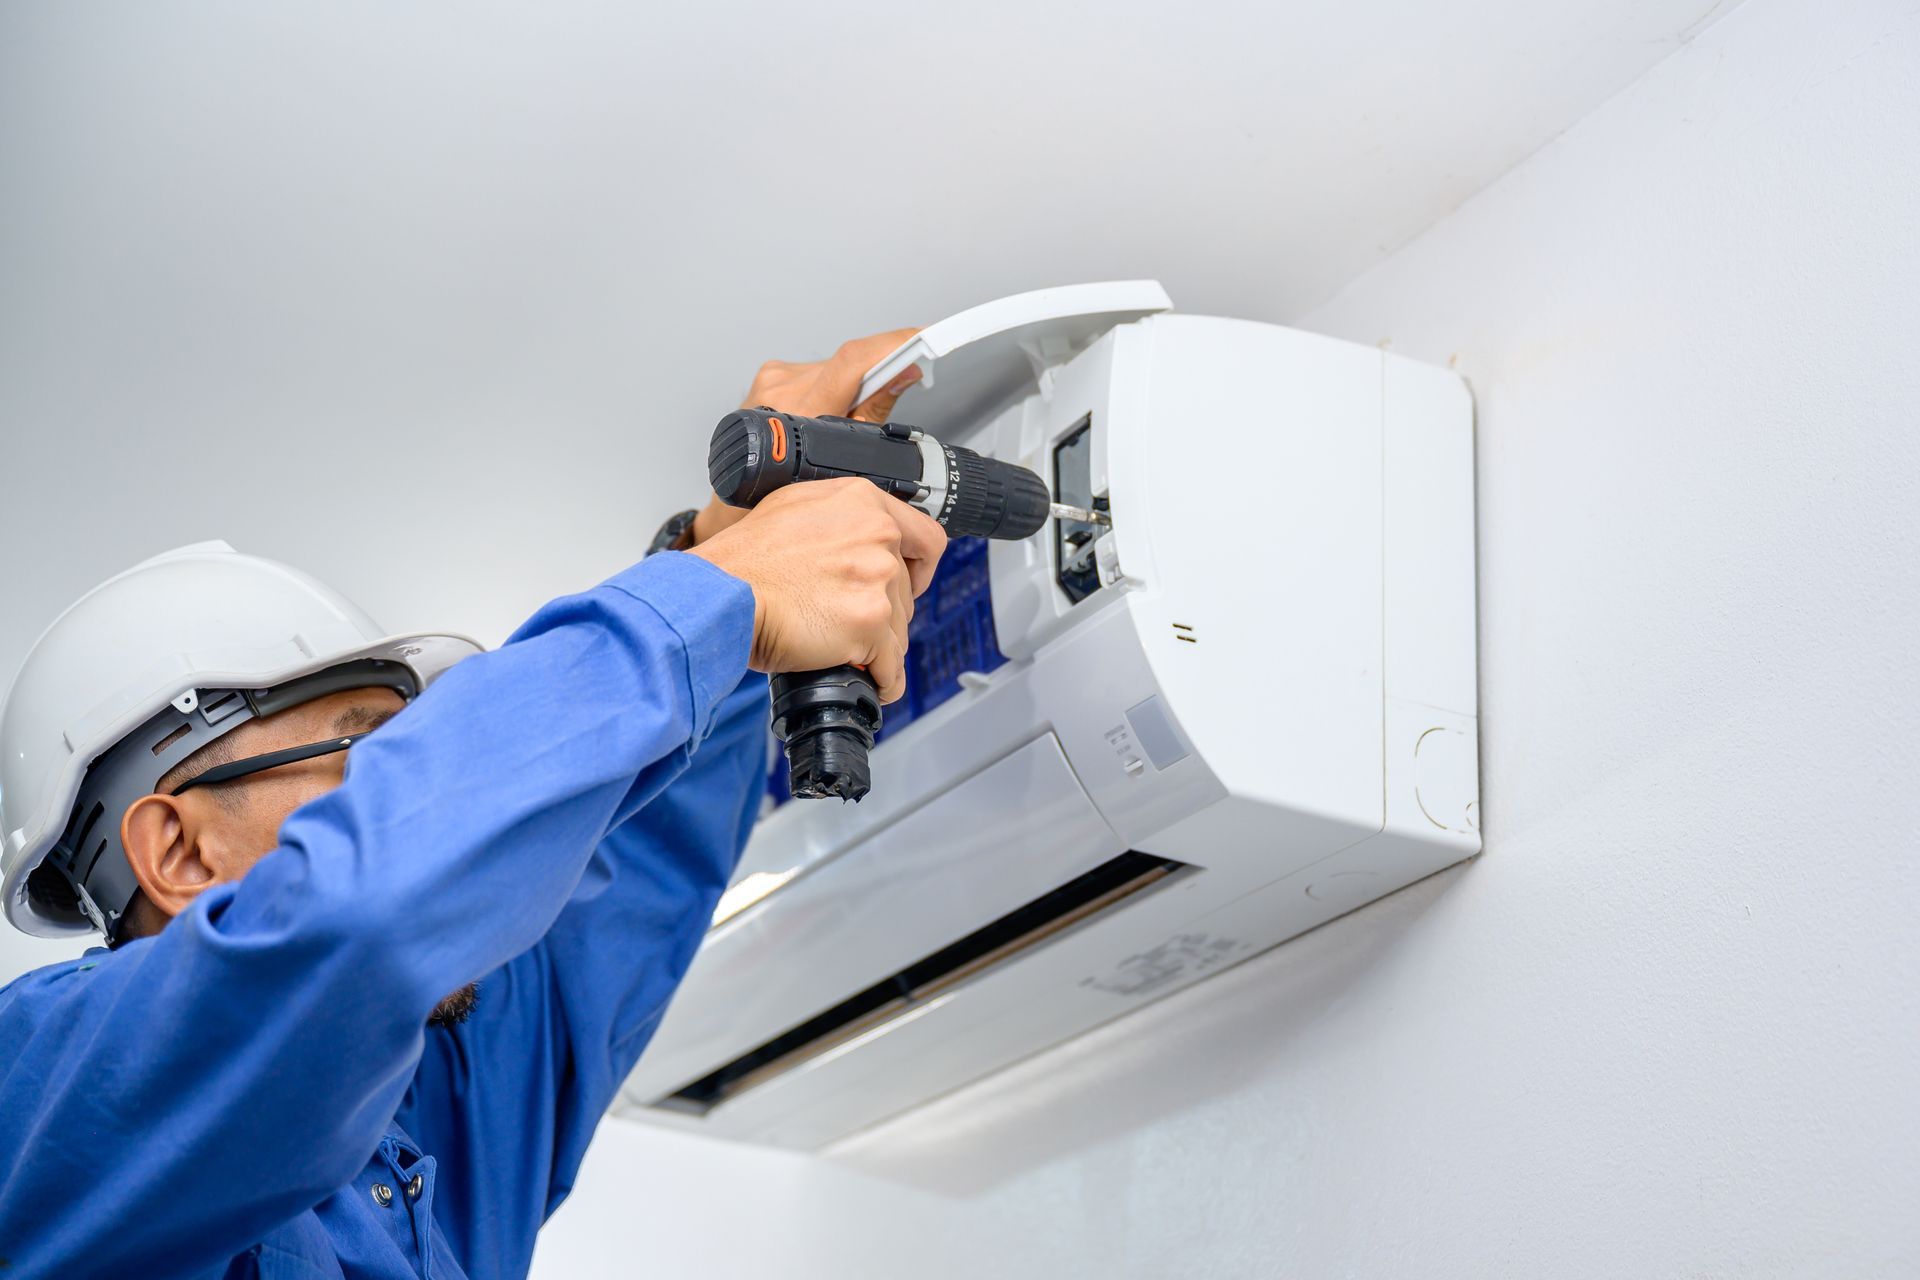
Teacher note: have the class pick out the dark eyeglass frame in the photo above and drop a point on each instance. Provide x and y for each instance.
(271, 760)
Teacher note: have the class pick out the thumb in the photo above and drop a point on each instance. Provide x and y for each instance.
(877, 407)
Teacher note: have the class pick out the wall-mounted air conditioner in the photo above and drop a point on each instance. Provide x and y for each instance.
(1132, 756)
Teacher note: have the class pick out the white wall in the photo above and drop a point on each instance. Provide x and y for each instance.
(1669, 1023)
(440, 300)
(422, 297)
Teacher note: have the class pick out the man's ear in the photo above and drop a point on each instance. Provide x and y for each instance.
(163, 847)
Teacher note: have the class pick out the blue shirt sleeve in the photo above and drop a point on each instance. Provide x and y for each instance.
(507, 1101)
(170, 1103)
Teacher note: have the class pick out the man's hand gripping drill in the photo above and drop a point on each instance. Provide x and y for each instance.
(827, 713)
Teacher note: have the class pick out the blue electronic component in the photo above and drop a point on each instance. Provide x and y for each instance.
(951, 632)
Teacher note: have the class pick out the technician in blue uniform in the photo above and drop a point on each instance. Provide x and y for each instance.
(366, 1028)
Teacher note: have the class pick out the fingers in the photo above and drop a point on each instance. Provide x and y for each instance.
(921, 542)
(769, 376)
(835, 566)
(841, 376)
(887, 665)
(829, 386)
(864, 353)
(878, 407)
(900, 596)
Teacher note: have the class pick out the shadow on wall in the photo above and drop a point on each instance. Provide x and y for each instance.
(1208, 1042)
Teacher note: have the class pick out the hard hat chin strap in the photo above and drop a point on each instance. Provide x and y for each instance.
(87, 872)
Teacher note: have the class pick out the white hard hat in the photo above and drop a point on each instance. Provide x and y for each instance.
(147, 649)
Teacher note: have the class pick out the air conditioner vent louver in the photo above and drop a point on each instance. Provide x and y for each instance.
(892, 997)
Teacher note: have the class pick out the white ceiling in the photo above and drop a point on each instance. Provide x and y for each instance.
(466, 284)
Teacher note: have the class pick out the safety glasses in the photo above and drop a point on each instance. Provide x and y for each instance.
(271, 760)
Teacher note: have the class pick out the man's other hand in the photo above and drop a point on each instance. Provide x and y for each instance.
(813, 388)
(834, 566)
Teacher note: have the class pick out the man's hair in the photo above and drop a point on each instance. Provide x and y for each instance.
(221, 750)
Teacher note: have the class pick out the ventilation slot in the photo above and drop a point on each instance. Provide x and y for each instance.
(980, 952)
(1181, 631)
(172, 738)
(81, 873)
(86, 828)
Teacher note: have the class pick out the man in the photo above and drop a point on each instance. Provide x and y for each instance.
(367, 1027)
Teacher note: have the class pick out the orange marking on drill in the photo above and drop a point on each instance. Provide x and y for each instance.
(779, 430)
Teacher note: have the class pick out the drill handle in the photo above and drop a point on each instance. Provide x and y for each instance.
(756, 451)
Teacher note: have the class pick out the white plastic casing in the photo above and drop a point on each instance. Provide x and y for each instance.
(1276, 685)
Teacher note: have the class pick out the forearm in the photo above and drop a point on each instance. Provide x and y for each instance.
(207, 1083)
(621, 947)
(464, 825)
(558, 1029)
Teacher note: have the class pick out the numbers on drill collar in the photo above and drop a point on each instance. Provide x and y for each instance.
(953, 484)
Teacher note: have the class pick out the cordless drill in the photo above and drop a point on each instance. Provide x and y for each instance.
(827, 719)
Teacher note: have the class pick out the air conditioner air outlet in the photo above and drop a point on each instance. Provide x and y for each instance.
(869, 1012)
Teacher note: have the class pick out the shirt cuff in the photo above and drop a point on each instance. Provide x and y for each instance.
(710, 610)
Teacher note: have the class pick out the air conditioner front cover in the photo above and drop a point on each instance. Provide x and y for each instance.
(975, 362)
(1012, 832)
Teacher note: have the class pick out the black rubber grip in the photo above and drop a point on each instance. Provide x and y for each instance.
(756, 451)
(740, 462)
(826, 720)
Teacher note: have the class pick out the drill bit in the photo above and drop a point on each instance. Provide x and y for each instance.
(1085, 515)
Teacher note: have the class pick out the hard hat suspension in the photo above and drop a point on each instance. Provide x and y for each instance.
(87, 870)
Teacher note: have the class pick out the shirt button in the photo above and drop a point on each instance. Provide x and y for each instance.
(382, 1194)
(414, 1188)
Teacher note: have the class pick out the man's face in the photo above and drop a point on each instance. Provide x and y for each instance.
(214, 834)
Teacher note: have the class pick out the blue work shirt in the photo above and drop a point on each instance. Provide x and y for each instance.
(256, 1091)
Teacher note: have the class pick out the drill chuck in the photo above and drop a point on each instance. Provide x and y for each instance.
(827, 719)
(993, 499)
